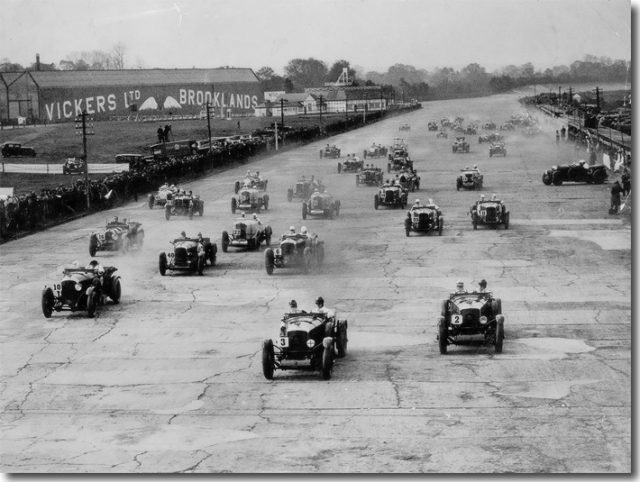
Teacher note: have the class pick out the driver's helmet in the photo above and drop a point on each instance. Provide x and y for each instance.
(292, 229)
(494, 197)
(293, 304)
(304, 230)
(475, 166)
(459, 286)
(320, 301)
(183, 234)
(416, 202)
(93, 263)
(255, 216)
(481, 197)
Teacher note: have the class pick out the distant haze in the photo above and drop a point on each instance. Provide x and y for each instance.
(372, 34)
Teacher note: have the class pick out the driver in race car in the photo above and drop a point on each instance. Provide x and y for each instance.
(96, 267)
(320, 308)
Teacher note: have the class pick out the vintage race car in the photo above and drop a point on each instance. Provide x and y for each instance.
(470, 131)
(469, 179)
(252, 182)
(424, 218)
(442, 134)
(295, 250)
(306, 341)
(74, 165)
(117, 236)
(404, 127)
(409, 180)
(330, 151)
(489, 125)
(497, 149)
(303, 188)
(432, 126)
(247, 233)
(188, 254)
(249, 199)
(507, 126)
(82, 289)
(577, 172)
(351, 164)
(465, 315)
(391, 195)
(399, 163)
(376, 150)
(398, 148)
(445, 122)
(460, 145)
(371, 176)
(493, 137)
(159, 198)
(181, 205)
(321, 204)
(15, 149)
(491, 213)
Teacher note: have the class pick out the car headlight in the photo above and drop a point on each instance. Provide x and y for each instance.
(311, 343)
(78, 287)
(483, 320)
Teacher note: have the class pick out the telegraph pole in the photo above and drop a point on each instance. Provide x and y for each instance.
(81, 124)
(320, 110)
(209, 123)
(598, 99)
(282, 118)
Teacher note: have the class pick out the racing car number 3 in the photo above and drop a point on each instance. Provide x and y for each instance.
(284, 341)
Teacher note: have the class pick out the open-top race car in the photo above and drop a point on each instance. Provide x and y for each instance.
(432, 126)
(497, 149)
(351, 164)
(312, 338)
(295, 250)
(249, 199)
(409, 179)
(493, 137)
(117, 236)
(248, 233)
(442, 135)
(423, 218)
(321, 204)
(465, 315)
(253, 181)
(579, 171)
(376, 150)
(460, 145)
(74, 165)
(490, 212)
(398, 148)
(399, 163)
(188, 254)
(82, 289)
(330, 151)
(164, 192)
(303, 188)
(469, 179)
(370, 176)
(489, 125)
(391, 195)
(405, 127)
(15, 149)
(183, 205)
(470, 130)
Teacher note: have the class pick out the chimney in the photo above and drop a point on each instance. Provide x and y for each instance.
(37, 62)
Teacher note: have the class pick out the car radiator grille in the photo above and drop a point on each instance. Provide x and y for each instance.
(68, 290)
(491, 215)
(423, 221)
(297, 340)
(181, 256)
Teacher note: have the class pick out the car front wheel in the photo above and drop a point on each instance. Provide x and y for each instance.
(268, 359)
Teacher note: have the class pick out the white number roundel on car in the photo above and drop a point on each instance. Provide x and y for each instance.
(456, 319)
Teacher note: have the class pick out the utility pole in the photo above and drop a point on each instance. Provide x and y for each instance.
(276, 125)
(366, 104)
(81, 125)
(209, 123)
(598, 100)
(320, 110)
(282, 117)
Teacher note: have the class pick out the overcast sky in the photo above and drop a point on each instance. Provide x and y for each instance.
(373, 34)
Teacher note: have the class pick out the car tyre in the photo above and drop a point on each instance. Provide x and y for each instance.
(339, 168)
(116, 291)
(234, 205)
(443, 335)
(376, 202)
(506, 221)
(304, 210)
(167, 213)
(289, 195)
(162, 264)
(269, 262)
(47, 302)
(91, 304)
(556, 178)
(151, 201)
(236, 187)
(440, 225)
(225, 241)
(93, 245)
(499, 333)
(342, 338)
(268, 359)
(327, 359)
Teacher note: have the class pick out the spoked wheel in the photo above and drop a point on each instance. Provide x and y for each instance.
(116, 291)
(342, 338)
(269, 262)
(225, 241)
(327, 360)
(268, 359)
(499, 333)
(162, 264)
(91, 304)
(442, 337)
(47, 302)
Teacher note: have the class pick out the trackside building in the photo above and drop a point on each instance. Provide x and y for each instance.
(59, 96)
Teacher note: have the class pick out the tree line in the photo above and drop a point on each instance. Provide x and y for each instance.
(400, 81)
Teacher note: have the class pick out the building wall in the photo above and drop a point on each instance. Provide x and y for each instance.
(62, 104)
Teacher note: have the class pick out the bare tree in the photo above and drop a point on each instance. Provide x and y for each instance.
(117, 56)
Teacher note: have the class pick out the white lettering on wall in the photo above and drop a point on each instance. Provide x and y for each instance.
(111, 99)
(66, 104)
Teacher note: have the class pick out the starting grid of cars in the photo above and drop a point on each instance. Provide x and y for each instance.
(315, 338)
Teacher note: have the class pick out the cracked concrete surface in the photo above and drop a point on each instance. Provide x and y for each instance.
(170, 380)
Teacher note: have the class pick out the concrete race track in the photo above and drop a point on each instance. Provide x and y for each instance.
(170, 380)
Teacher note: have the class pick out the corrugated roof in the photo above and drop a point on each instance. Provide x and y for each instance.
(105, 78)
